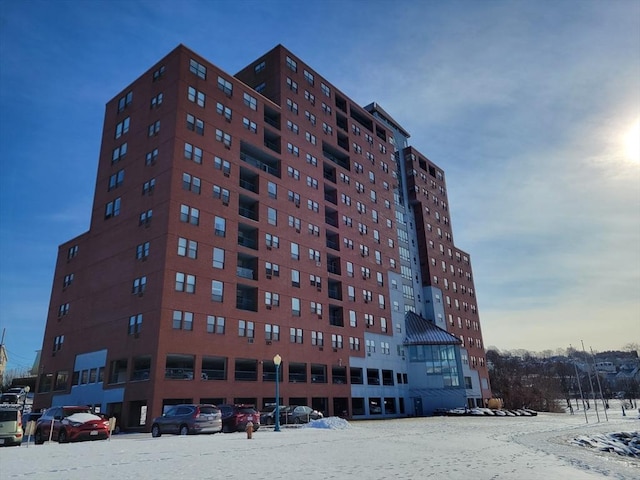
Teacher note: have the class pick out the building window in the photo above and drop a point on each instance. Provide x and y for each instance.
(246, 329)
(112, 209)
(192, 153)
(226, 112)
(326, 90)
(293, 86)
(271, 299)
(317, 338)
(157, 100)
(58, 342)
(145, 217)
(148, 187)
(220, 227)
(259, 67)
(250, 102)
(182, 320)
(116, 179)
(139, 285)
(68, 279)
(310, 97)
(308, 76)
(154, 129)
(291, 106)
(187, 248)
(223, 165)
(63, 310)
(292, 149)
(272, 216)
(142, 251)
(72, 252)
(135, 324)
(295, 307)
(119, 153)
(195, 124)
(295, 335)
(271, 332)
(218, 257)
(198, 69)
(151, 157)
(125, 101)
(196, 96)
(217, 291)
(190, 183)
(292, 64)
(250, 125)
(215, 325)
(272, 241)
(122, 127)
(189, 215)
(225, 86)
(185, 283)
(223, 137)
(159, 73)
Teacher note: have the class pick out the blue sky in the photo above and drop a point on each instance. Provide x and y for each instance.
(525, 105)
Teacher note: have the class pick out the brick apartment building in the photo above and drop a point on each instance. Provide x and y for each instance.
(237, 217)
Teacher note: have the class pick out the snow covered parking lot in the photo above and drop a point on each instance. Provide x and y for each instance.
(415, 448)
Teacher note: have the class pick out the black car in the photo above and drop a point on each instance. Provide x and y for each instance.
(188, 419)
(301, 414)
(268, 414)
(236, 417)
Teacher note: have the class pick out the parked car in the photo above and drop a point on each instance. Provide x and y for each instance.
(302, 414)
(236, 417)
(188, 419)
(268, 414)
(70, 424)
(10, 426)
(12, 398)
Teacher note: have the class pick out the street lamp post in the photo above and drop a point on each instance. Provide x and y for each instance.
(276, 361)
(27, 389)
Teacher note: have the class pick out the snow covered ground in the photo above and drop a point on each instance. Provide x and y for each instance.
(544, 446)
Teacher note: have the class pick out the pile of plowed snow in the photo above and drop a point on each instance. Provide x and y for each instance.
(330, 423)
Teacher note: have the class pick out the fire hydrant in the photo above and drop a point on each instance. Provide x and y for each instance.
(249, 430)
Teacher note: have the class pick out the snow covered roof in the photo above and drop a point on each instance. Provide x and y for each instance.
(421, 331)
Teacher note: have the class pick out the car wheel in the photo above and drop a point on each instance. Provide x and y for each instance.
(38, 439)
(269, 421)
(155, 430)
(184, 430)
(226, 429)
(62, 436)
(296, 420)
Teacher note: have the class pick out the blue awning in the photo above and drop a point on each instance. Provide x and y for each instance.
(421, 331)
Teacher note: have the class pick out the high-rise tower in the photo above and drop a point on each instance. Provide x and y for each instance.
(237, 217)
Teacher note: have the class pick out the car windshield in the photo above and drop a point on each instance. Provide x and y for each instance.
(208, 410)
(247, 410)
(8, 415)
(71, 411)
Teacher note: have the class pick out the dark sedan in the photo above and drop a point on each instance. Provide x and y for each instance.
(301, 414)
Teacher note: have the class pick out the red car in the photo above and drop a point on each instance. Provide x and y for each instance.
(70, 424)
(236, 417)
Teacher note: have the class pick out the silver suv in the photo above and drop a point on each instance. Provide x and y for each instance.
(10, 426)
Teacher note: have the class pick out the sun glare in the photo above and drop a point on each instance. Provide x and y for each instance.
(632, 142)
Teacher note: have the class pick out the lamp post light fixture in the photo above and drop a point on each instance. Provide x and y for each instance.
(276, 361)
